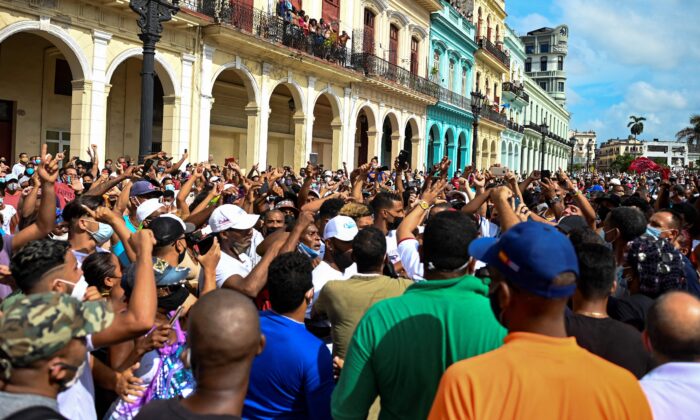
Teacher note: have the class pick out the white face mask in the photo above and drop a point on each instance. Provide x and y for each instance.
(63, 237)
(76, 377)
(79, 287)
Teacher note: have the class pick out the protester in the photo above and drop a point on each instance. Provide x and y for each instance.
(442, 320)
(538, 372)
(673, 338)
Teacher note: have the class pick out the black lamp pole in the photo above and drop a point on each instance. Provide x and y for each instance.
(152, 13)
(573, 144)
(543, 129)
(477, 103)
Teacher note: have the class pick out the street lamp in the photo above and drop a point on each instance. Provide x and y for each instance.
(477, 104)
(152, 14)
(543, 129)
(588, 155)
(572, 143)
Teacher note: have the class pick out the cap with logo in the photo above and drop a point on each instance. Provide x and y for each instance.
(142, 188)
(530, 255)
(230, 216)
(36, 326)
(147, 208)
(342, 228)
(286, 204)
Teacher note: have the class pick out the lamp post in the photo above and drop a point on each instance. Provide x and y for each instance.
(589, 147)
(152, 13)
(477, 104)
(543, 129)
(572, 143)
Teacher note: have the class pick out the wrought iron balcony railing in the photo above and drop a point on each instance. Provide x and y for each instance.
(492, 49)
(373, 66)
(517, 90)
(492, 115)
(270, 27)
(455, 99)
(515, 126)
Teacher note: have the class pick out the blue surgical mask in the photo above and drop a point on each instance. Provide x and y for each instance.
(654, 232)
(308, 251)
(2, 179)
(30, 171)
(170, 187)
(103, 233)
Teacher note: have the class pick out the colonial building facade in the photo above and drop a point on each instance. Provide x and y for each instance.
(584, 149)
(514, 101)
(451, 63)
(546, 50)
(233, 79)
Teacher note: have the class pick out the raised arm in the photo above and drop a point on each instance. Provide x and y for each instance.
(414, 218)
(176, 167)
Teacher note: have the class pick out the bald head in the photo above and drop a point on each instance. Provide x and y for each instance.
(673, 327)
(224, 330)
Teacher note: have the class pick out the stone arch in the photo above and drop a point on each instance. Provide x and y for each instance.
(73, 53)
(334, 102)
(243, 73)
(433, 144)
(297, 94)
(411, 140)
(327, 130)
(164, 70)
(365, 141)
(391, 137)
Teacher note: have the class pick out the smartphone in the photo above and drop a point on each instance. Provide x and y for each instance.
(403, 159)
(178, 313)
(185, 150)
(313, 158)
(200, 234)
(147, 165)
(498, 170)
(546, 174)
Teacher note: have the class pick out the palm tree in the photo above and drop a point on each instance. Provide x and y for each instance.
(636, 125)
(691, 134)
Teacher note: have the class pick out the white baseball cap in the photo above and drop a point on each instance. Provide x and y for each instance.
(230, 216)
(342, 228)
(147, 208)
(615, 182)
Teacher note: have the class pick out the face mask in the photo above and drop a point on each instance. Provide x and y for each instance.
(2, 179)
(170, 187)
(395, 224)
(103, 233)
(63, 237)
(87, 185)
(181, 256)
(13, 186)
(174, 300)
(78, 373)
(68, 179)
(161, 169)
(30, 171)
(654, 232)
(308, 251)
(37, 161)
(79, 287)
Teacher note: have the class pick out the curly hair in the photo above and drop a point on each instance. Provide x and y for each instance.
(35, 259)
(355, 210)
(288, 280)
(658, 265)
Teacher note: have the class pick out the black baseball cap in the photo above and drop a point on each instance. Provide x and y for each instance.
(168, 228)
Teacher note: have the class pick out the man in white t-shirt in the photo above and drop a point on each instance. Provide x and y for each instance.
(8, 214)
(337, 262)
(234, 228)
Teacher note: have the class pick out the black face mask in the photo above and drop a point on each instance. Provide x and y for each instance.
(181, 256)
(174, 300)
(87, 185)
(395, 224)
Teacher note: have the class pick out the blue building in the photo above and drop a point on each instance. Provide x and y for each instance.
(451, 62)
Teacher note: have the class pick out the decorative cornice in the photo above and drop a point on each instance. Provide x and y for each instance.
(398, 16)
(419, 30)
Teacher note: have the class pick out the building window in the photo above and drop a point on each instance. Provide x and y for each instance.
(528, 66)
(560, 63)
(543, 64)
(544, 48)
(450, 81)
(464, 81)
(543, 85)
(561, 86)
(62, 79)
(529, 49)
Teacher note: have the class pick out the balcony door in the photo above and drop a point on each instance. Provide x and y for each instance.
(331, 11)
(394, 45)
(368, 35)
(414, 56)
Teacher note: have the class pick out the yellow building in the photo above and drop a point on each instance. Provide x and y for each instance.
(492, 69)
(233, 79)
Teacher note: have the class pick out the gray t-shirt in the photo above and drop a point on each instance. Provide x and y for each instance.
(12, 403)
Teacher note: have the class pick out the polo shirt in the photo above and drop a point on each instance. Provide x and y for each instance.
(229, 266)
(402, 346)
(534, 376)
(345, 302)
(673, 390)
(293, 377)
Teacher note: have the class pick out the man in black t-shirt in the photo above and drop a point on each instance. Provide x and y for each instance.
(594, 330)
(223, 339)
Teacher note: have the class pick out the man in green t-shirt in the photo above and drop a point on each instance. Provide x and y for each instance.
(402, 345)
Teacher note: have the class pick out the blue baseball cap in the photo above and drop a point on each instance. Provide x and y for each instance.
(143, 188)
(530, 255)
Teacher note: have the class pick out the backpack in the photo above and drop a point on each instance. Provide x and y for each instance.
(38, 412)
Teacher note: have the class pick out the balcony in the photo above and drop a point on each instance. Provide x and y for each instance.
(549, 134)
(513, 92)
(498, 54)
(512, 125)
(455, 99)
(493, 116)
(373, 66)
(269, 27)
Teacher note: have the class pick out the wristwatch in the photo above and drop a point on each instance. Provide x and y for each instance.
(424, 205)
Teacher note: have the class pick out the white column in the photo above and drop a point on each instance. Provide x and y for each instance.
(310, 103)
(264, 115)
(205, 103)
(349, 128)
(98, 104)
(186, 102)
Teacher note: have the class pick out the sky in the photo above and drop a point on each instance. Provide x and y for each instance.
(626, 57)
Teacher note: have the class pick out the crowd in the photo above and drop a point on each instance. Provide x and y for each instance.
(180, 290)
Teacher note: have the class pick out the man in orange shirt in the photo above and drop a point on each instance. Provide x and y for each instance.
(539, 373)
